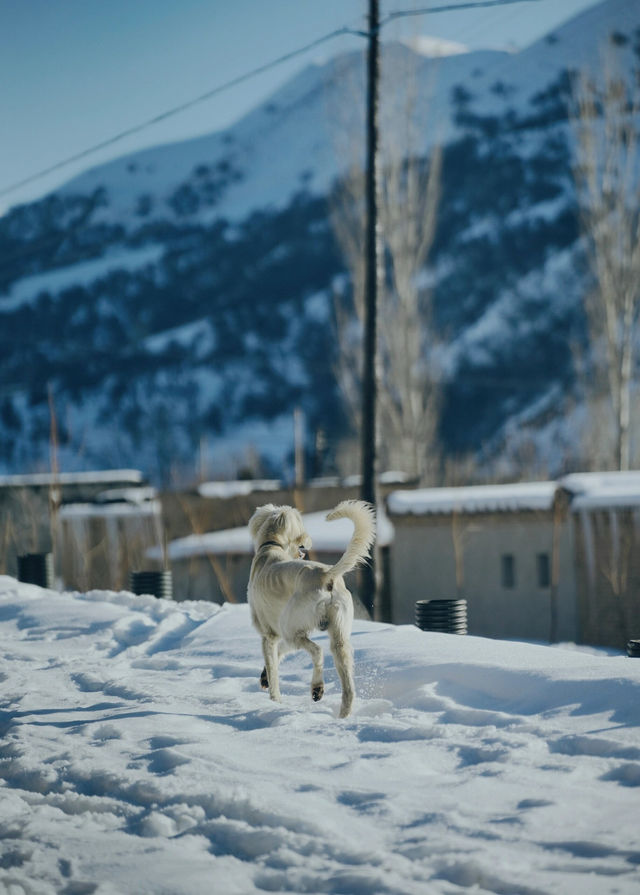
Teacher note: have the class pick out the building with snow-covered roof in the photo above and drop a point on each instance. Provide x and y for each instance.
(534, 560)
(503, 548)
(29, 506)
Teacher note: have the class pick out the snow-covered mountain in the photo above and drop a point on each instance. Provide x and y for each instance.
(186, 291)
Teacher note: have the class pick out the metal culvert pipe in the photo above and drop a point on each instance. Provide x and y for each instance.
(36, 568)
(157, 584)
(444, 616)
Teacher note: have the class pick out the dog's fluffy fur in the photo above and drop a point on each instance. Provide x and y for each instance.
(290, 597)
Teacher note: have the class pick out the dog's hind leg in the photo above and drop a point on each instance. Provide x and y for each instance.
(283, 649)
(270, 673)
(302, 641)
(343, 659)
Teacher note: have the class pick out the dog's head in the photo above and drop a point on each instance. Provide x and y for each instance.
(283, 525)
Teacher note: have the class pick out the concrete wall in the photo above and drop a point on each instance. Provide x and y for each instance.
(424, 567)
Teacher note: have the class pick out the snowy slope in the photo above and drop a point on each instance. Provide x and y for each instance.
(138, 755)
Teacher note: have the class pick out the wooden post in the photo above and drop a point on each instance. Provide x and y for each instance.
(298, 438)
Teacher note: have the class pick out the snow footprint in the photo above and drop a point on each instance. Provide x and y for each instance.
(131, 632)
(597, 747)
(365, 802)
(624, 774)
(395, 733)
(171, 631)
(87, 682)
(163, 759)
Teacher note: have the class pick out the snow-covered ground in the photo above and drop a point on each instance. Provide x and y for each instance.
(139, 755)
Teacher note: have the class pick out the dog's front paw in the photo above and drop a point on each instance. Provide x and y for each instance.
(317, 692)
(264, 680)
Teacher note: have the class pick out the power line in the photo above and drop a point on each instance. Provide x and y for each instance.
(450, 7)
(234, 82)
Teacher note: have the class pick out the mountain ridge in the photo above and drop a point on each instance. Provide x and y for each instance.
(162, 303)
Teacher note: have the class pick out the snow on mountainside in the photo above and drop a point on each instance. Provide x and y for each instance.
(289, 141)
(267, 157)
(172, 294)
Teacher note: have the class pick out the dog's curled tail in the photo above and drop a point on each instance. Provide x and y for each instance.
(363, 517)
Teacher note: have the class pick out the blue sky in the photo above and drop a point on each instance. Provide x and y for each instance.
(76, 72)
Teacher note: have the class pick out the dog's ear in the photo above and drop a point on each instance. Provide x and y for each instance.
(259, 518)
(280, 523)
(288, 524)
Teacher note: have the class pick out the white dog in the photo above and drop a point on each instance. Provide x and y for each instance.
(290, 596)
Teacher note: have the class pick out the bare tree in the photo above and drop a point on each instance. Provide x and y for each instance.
(410, 398)
(408, 388)
(349, 226)
(607, 168)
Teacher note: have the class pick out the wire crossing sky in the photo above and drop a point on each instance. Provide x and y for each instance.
(79, 78)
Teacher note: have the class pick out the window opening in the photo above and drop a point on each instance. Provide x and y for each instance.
(544, 570)
(508, 570)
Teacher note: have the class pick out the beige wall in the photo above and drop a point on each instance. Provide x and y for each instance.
(215, 578)
(424, 567)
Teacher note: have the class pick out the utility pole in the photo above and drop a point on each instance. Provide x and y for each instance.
(369, 443)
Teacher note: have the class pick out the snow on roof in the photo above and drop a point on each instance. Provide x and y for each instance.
(389, 477)
(103, 476)
(237, 488)
(602, 490)
(522, 496)
(588, 490)
(325, 481)
(127, 495)
(111, 510)
(327, 537)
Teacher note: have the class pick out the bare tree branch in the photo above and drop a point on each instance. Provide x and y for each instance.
(605, 119)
